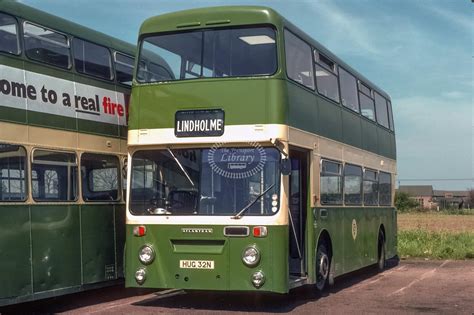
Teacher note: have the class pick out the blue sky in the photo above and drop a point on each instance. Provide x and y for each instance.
(420, 52)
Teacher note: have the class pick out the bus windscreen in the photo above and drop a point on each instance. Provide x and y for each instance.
(209, 181)
(216, 53)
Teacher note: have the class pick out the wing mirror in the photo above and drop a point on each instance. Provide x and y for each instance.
(285, 166)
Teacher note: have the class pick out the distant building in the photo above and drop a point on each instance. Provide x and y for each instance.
(451, 199)
(421, 193)
(428, 198)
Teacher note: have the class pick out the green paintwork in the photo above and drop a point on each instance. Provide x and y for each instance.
(47, 247)
(23, 12)
(267, 100)
(351, 254)
(59, 248)
(258, 101)
(66, 26)
(264, 100)
(15, 264)
(172, 245)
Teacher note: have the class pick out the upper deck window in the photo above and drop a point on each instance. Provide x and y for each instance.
(47, 46)
(124, 68)
(208, 54)
(367, 105)
(9, 34)
(365, 89)
(326, 77)
(298, 60)
(390, 115)
(92, 59)
(381, 110)
(348, 90)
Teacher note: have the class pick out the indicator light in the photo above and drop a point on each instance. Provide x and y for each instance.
(260, 231)
(139, 230)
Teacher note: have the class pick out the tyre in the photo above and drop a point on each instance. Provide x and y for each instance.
(322, 267)
(381, 252)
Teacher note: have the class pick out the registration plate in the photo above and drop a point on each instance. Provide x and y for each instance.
(196, 264)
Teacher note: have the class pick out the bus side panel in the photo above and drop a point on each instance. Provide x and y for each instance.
(361, 226)
(15, 267)
(391, 234)
(385, 142)
(329, 120)
(303, 112)
(120, 238)
(56, 246)
(98, 244)
(332, 223)
(351, 128)
(369, 135)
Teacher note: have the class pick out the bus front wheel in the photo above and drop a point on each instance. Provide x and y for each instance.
(322, 267)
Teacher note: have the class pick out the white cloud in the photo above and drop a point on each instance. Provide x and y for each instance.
(462, 20)
(453, 94)
(354, 29)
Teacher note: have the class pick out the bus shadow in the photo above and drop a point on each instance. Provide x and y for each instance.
(234, 301)
(255, 302)
(69, 302)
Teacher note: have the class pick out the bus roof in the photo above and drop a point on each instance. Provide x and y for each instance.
(225, 16)
(63, 25)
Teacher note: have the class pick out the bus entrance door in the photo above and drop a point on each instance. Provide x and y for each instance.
(297, 215)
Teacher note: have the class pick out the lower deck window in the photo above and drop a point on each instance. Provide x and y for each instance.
(99, 177)
(352, 185)
(12, 172)
(54, 176)
(385, 186)
(371, 188)
(331, 183)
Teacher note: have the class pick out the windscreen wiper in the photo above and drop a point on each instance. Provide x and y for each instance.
(181, 166)
(241, 212)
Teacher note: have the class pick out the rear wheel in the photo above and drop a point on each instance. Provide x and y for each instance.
(381, 251)
(322, 267)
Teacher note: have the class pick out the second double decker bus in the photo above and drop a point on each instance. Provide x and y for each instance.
(64, 93)
(259, 160)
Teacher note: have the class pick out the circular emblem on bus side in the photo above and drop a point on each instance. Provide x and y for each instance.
(237, 163)
(354, 229)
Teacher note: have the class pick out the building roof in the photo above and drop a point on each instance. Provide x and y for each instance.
(451, 193)
(417, 190)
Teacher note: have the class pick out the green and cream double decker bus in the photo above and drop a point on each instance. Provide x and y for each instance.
(64, 93)
(259, 161)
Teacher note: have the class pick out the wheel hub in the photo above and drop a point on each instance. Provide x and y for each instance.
(323, 266)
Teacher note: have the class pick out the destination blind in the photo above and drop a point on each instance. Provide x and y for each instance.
(199, 123)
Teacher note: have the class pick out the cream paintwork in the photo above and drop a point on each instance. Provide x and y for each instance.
(232, 134)
(239, 136)
(33, 138)
(60, 139)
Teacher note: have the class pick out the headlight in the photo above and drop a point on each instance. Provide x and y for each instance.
(140, 275)
(258, 279)
(146, 255)
(251, 256)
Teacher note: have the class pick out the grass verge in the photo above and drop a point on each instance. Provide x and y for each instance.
(435, 244)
